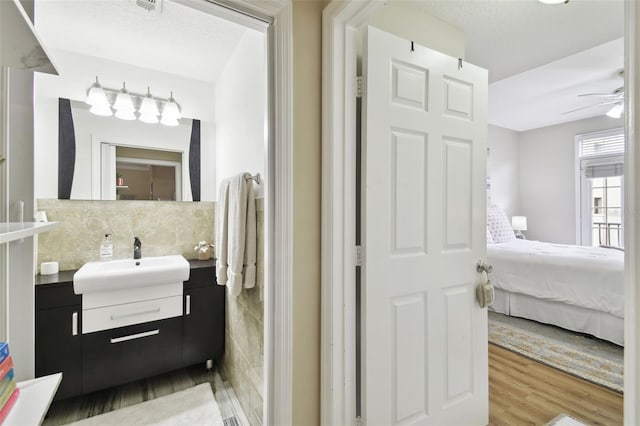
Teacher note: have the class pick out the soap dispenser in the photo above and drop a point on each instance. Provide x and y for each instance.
(106, 248)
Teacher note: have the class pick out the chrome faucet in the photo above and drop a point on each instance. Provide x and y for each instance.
(137, 248)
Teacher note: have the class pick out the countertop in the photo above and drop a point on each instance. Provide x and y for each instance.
(67, 276)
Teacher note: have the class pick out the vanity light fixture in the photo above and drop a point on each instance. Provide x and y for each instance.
(171, 112)
(171, 109)
(125, 105)
(96, 95)
(149, 110)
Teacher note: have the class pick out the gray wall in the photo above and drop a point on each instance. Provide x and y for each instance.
(547, 177)
(503, 166)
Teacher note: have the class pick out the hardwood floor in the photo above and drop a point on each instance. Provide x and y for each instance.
(525, 392)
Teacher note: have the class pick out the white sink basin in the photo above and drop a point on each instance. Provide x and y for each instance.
(130, 273)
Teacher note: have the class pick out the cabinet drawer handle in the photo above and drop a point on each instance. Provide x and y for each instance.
(135, 336)
(74, 324)
(134, 314)
(188, 305)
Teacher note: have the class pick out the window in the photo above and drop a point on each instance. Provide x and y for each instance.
(600, 160)
(606, 217)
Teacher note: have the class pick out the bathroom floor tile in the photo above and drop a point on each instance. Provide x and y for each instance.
(81, 407)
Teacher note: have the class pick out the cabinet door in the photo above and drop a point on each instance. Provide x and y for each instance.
(203, 324)
(120, 355)
(59, 347)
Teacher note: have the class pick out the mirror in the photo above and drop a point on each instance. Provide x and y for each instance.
(106, 158)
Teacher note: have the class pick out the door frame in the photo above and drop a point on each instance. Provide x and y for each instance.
(278, 304)
(339, 23)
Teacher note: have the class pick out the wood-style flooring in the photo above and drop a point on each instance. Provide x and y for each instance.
(525, 392)
(84, 406)
(521, 392)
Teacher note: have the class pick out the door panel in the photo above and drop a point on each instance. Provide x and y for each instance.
(408, 192)
(424, 337)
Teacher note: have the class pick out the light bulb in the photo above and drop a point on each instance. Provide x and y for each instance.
(149, 106)
(102, 110)
(171, 109)
(125, 114)
(123, 100)
(169, 121)
(616, 111)
(148, 118)
(96, 95)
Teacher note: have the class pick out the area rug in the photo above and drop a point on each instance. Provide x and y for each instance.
(565, 420)
(592, 359)
(194, 406)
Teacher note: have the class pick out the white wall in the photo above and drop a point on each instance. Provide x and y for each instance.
(503, 166)
(411, 23)
(240, 109)
(77, 73)
(547, 178)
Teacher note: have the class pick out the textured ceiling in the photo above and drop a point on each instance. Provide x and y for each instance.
(540, 97)
(540, 57)
(179, 40)
(508, 37)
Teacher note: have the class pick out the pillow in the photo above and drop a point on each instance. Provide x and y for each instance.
(499, 225)
(489, 237)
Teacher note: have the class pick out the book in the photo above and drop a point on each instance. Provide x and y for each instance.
(5, 381)
(9, 405)
(5, 366)
(4, 351)
(4, 397)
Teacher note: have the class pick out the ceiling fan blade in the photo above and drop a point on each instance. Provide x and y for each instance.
(591, 106)
(603, 95)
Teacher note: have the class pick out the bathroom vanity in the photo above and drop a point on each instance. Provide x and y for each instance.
(111, 357)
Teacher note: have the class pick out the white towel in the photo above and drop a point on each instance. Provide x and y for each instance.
(222, 229)
(236, 234)
(250, 248)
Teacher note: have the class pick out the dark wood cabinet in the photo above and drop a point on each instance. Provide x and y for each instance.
(204, 316)
(111, 357)
(124, 354)
(58, 344)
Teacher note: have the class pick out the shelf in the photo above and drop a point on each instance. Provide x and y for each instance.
(34, 400)
(122, 186)
(10, 231)
(20, 45)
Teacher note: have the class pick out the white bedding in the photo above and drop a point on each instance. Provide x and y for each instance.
(589, 277)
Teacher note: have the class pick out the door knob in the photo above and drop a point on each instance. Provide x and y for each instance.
(484, 267)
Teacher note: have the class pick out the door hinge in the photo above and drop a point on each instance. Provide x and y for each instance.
(359, 88)
(358, 255)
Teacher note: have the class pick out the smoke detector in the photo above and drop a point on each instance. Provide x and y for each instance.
(154, 6)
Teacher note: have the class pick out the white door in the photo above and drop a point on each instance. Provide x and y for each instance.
(424, 169)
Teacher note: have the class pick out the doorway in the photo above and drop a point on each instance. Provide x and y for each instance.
(277, 139)
(344, 19)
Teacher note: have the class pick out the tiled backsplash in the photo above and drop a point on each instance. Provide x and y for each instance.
(164, 227)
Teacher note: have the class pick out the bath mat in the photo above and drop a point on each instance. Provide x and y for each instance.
(565, 420)
(587, 357)
(194, 406)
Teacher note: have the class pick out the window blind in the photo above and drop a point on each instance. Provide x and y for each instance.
(598, 144)
(603, 170)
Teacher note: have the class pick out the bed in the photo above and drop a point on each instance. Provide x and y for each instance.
(574, 287)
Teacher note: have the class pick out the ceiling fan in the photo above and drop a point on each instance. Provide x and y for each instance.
(615, 98)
